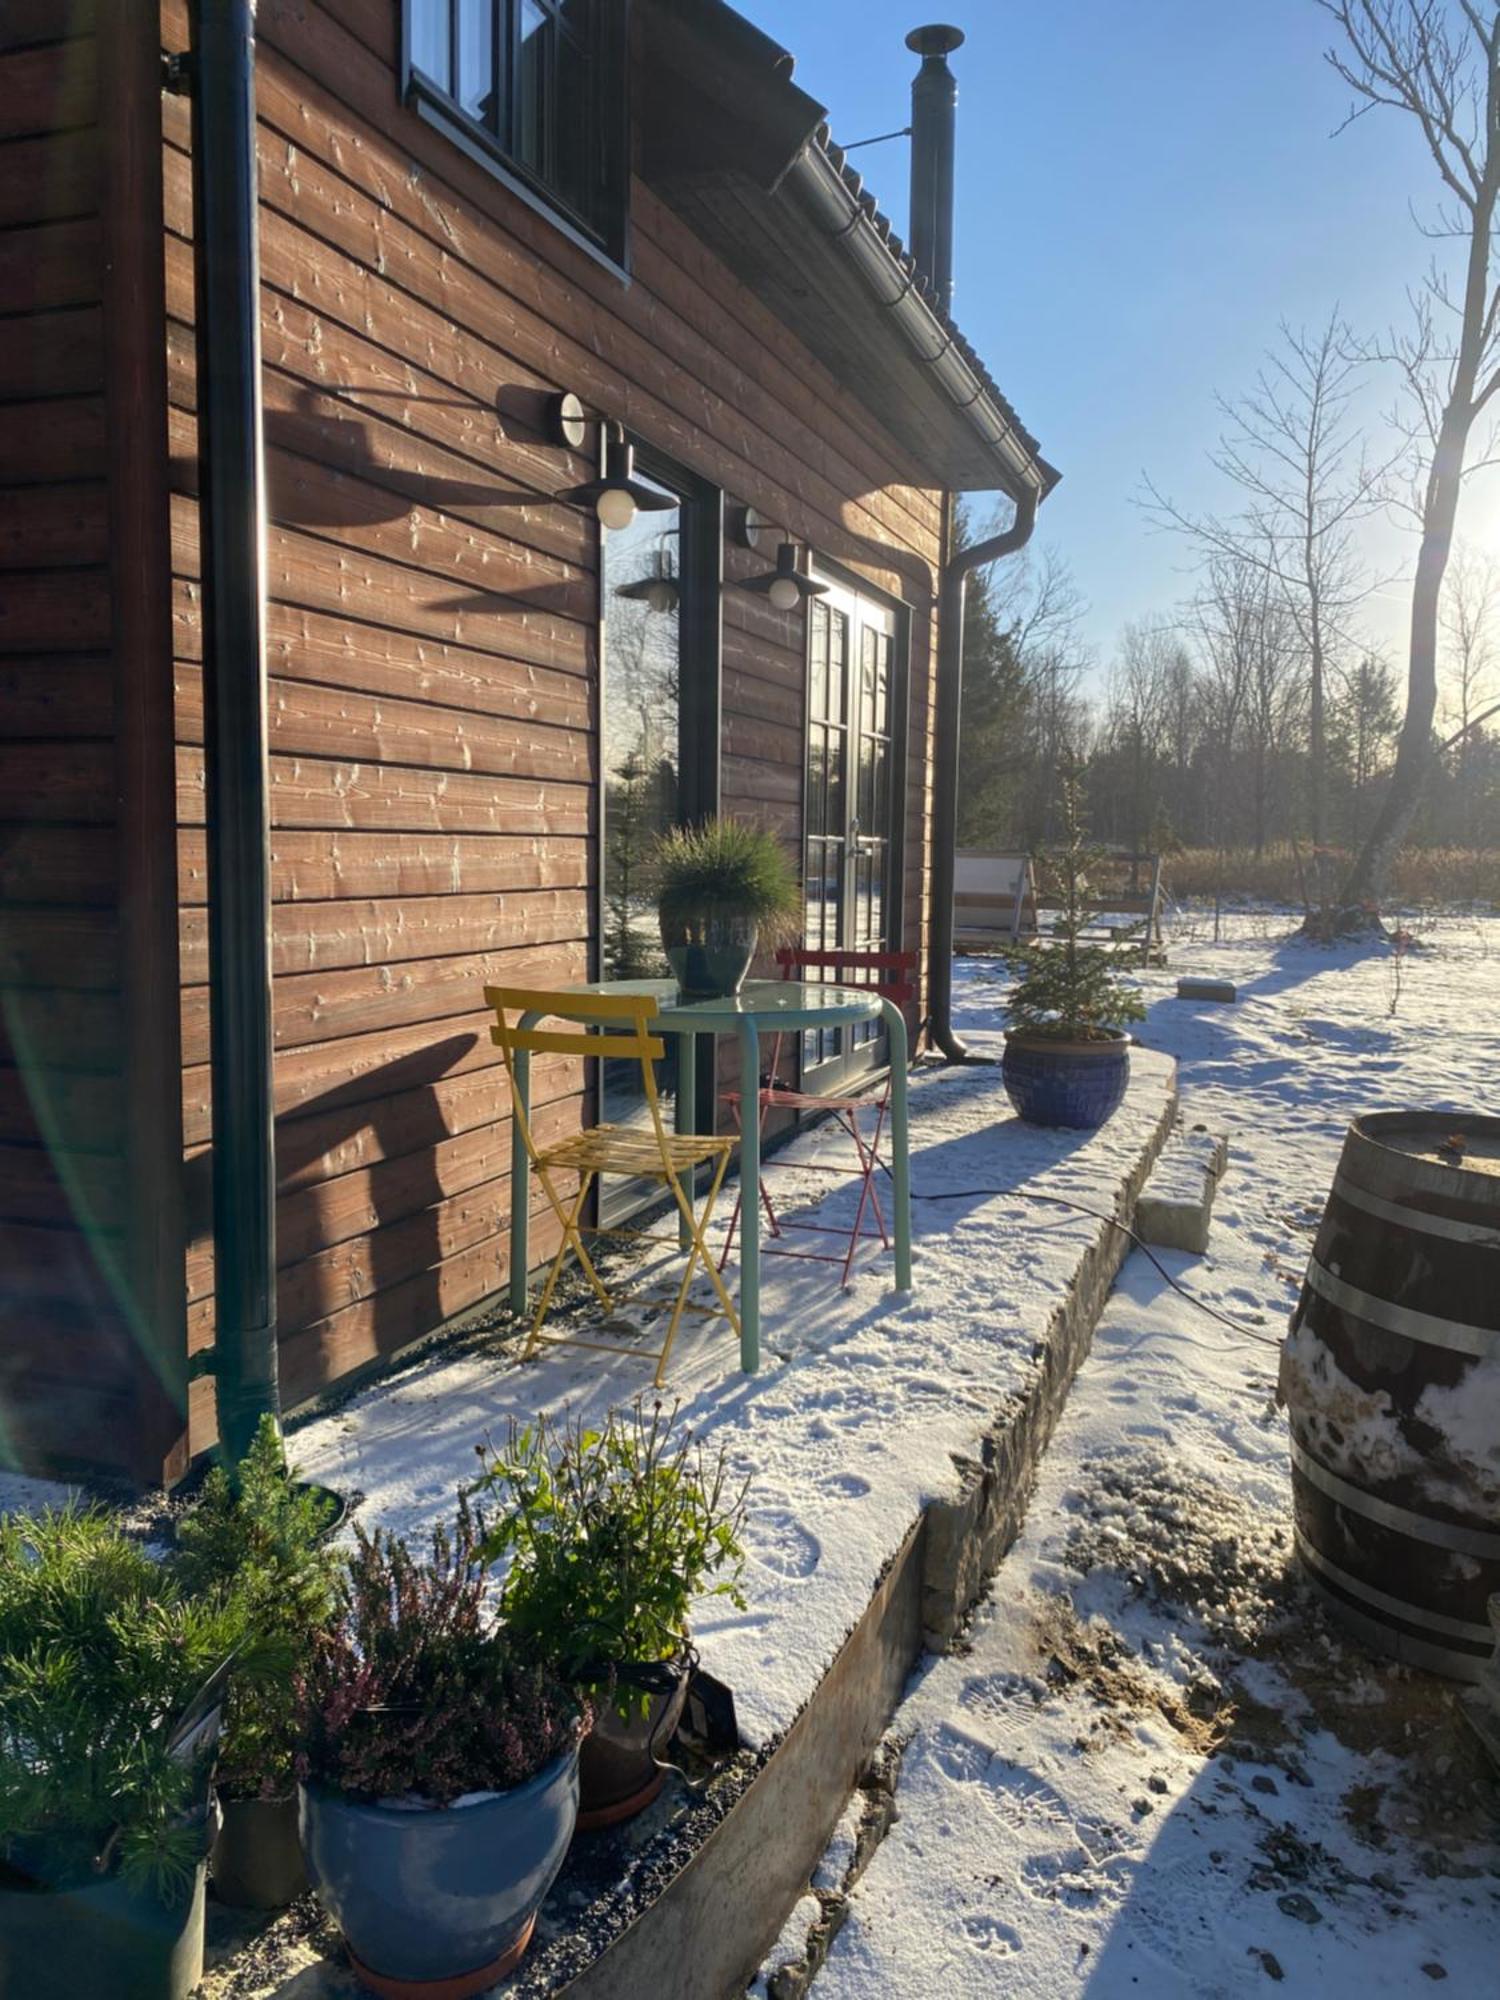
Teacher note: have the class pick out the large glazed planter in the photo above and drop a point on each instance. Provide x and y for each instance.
(439, 1900)
(256, 1861)
(618, 1769)
(712, 966)
(1073, 1084)
(66, 1944)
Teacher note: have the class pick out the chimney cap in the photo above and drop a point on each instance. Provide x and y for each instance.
(936, 40)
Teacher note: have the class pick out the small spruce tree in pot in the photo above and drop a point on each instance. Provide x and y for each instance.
(1067, 1054)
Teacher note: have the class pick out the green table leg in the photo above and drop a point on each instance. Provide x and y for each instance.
(687, 1120)
(900, 1141)
(520, 1181)
(749, 1194)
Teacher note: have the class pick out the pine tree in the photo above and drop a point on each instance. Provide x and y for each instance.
(1069, 990)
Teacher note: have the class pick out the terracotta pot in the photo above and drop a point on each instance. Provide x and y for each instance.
(256, 1863)
(619, 1772)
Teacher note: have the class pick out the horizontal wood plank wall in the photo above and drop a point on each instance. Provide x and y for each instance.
(433, 650)
(66, 1363)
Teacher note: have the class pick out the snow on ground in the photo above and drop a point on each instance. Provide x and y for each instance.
(863, 1398)
(1155, 1767)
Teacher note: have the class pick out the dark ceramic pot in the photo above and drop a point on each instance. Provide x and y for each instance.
(1073, 1084)
(443, 1898)
(256, 1862)
(712, 964)
(64, 1944)
(619, 1767)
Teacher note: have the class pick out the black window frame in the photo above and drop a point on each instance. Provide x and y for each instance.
(700, 699)
(607, 240)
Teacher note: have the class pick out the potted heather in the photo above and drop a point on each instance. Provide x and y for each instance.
(722, 887)
(262, 1537)
(110, 1683)
(609, 1535)
(1067, 1054)
(438, 1766)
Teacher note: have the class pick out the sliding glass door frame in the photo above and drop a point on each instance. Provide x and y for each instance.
(851, 593)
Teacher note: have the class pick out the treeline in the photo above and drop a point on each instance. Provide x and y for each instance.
(1201, 737)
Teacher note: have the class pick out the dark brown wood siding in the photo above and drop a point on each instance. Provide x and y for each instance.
(433, 648)
(91, 1334)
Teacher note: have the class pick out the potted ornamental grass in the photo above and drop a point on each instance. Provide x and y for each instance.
(262, 1537)
(609, 1535)
(111, 1679)
(723, 887)
(439, 1769)
(1067, 1052)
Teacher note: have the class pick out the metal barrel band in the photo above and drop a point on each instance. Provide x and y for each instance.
(1386, 1514)
(1418, 1219)
(1455, 1335)
(1383, 1638)
(1395, 1607)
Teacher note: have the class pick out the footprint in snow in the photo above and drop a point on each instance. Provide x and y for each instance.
(844, 1486)
(781, 1544)
(989, 1934)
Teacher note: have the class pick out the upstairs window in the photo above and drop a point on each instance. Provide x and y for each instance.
(535, 89)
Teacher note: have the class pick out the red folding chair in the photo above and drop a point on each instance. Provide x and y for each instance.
(890, 974)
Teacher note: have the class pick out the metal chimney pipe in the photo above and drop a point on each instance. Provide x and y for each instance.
(934, 97)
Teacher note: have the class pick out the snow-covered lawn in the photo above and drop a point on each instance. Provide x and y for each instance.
(1155, 1768)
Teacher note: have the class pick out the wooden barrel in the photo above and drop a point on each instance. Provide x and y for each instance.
(1391, 1377)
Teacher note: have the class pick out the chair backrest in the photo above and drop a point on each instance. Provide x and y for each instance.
(604, 1025)
(889, 973)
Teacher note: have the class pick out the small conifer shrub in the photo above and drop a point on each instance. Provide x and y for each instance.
(260, 1538)
(1070, 990)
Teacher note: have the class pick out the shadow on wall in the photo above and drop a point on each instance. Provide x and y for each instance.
(382, 1127)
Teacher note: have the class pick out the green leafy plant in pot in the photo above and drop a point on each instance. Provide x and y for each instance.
(722, 888)
(439, 1769)
(111, 1679)
(261, 1537)
(1067, 1054)
(610, 1534)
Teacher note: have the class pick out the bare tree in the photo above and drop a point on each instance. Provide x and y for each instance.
(1292, 448)
(1467, 619)
(1438, 61)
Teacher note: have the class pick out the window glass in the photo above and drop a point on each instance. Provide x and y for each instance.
(541, 80)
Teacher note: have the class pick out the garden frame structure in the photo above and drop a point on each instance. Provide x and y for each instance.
(433, 634)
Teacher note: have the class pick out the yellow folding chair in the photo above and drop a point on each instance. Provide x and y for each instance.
(608, 1026)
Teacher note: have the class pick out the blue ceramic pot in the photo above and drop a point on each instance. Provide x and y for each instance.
(1073, 1084)
(103, 1939)
(446, 1894)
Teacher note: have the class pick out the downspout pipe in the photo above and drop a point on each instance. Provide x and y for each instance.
(952, 594)
(231, 476)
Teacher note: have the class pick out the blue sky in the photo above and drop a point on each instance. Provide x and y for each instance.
(1145, 187)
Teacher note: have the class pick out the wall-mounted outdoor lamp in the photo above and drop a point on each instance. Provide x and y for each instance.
(658, 591)
(786, 586)
(616, 496)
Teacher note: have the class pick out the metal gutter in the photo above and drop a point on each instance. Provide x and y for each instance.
(221, 82)
(897, 288)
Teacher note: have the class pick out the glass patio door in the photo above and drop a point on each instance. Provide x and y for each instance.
(852, 803)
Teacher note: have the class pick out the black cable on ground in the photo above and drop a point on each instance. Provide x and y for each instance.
(1060, 1201)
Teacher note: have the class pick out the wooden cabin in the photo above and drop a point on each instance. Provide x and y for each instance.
(481, 702)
